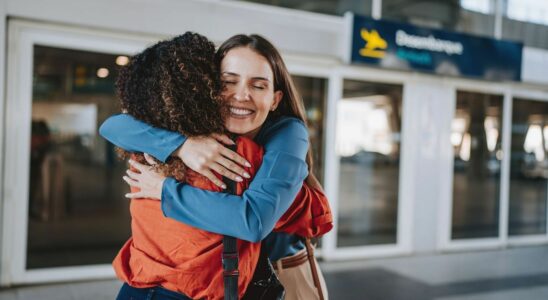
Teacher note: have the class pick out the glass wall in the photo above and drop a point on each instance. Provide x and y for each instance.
(523, 20)
(533, 11)
(481, 6)
(476, 138)
(314, 93)
(368, 146)
(452, 15)
(77, 212)
(528, 168)
(330, 7)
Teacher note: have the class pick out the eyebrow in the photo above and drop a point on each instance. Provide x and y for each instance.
(237, 75)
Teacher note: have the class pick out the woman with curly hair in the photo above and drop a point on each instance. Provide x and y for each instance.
(262, 104)
(173, 85)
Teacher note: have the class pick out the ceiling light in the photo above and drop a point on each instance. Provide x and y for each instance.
(102, 72)
(122, 60)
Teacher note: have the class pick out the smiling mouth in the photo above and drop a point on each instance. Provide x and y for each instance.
(240, 112)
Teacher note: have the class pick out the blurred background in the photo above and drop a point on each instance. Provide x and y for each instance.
(428, 120)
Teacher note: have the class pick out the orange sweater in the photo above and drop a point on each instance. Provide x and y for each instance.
(186, 259)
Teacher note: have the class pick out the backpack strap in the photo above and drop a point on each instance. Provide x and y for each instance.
(230, 253)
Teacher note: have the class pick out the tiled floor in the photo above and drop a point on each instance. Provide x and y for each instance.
(518, 273)
(502, 274)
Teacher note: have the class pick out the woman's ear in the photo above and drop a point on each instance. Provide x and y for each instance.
(278, 95)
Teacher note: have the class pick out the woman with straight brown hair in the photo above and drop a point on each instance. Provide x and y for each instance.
(263, 105)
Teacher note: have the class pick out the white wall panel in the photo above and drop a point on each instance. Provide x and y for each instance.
(2, 124)
(291, 30)
(427, 124)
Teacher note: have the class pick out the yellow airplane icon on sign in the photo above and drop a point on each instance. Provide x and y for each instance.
(374, 44)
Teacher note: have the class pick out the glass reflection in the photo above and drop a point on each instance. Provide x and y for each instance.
(368, 145)
(528, 168)
(476, 138)
(330, 7)
(314, 93)
(77, 212)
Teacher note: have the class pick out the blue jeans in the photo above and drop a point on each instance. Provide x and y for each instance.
(128, 292)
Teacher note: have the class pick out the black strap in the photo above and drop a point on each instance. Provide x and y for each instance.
(230, 253)
(230, 267)
(264, 284)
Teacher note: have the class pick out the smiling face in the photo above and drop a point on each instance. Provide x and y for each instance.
(248, 89)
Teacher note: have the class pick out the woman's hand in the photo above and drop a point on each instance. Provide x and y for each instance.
(147, 180)
(207, 154)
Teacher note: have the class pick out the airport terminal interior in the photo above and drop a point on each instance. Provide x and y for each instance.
(78, 215)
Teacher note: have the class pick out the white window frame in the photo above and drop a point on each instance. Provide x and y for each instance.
(502, 240)
(403, 245)
(533, 239)
(446, 207)
(22, 36)
(317, 67)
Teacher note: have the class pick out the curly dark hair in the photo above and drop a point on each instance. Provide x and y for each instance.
(174, 85)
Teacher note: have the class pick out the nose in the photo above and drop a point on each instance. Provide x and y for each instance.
(241, 93)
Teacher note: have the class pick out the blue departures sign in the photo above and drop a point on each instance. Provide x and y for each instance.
(402, 46)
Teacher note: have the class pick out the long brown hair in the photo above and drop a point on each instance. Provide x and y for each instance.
(291, 104)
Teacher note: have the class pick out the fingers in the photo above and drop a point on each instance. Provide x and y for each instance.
(226, 173)
(207, 173)
(132, 175)
(137, 165)
(130, 181)
(223, 138)
(235, 157)
(150, 160)
(232, 168)
(134, 195)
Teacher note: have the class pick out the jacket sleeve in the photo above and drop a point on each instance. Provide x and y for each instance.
(252, 215)
(133, 135)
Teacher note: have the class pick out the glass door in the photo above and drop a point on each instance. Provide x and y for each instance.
(363, 167)
(66, 215)
(476, 138)
(368, 147)
(528, 193)
(76, 212)
(313, 91)
(500, 169)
